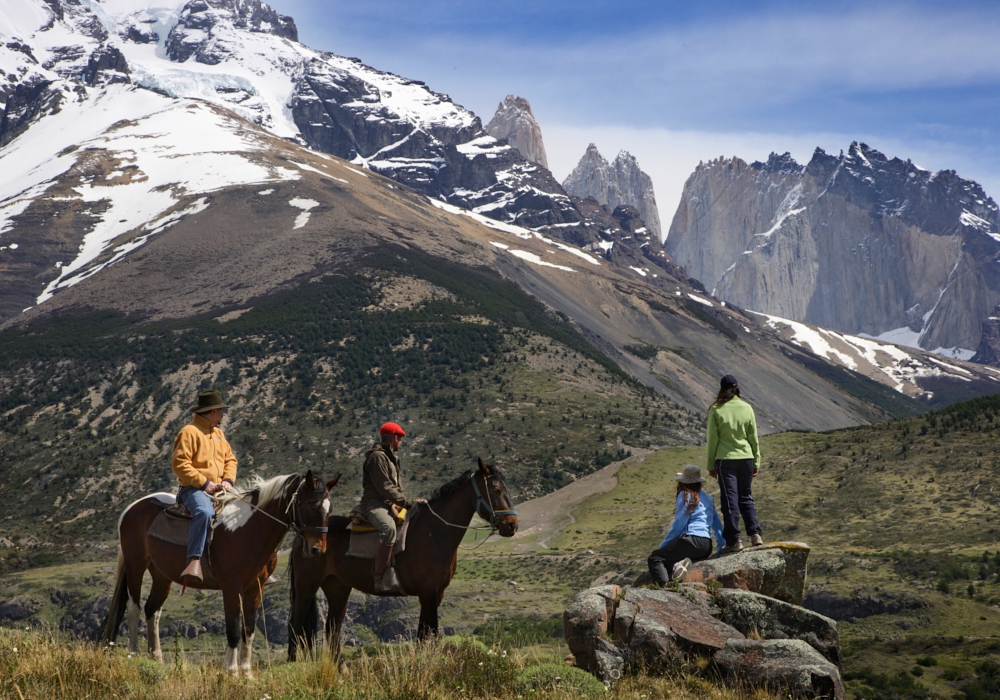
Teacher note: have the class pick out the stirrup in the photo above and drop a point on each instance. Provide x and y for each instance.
(389, 582)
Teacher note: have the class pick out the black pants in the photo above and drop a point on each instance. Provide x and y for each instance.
(661, 562)
(735, 477)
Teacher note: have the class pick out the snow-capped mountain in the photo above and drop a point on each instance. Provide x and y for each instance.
(514, 123)
(241, 55)
(857, 242)
(621, 183)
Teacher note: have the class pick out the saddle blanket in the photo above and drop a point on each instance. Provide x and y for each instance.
(364, 544)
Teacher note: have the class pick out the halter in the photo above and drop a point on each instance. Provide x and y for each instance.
(489, 505)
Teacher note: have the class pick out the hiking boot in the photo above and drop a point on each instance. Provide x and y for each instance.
(681, 570)
(756, 540)
(733, 548)
(383, 557)
(192, 572)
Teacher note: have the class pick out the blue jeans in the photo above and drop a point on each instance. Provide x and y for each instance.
(735, 478)
(199, 504)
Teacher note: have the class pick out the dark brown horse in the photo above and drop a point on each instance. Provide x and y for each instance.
(240, 558)
(425, 567)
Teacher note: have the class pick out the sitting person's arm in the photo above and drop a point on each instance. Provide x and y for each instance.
(681, 518)
(715, 524)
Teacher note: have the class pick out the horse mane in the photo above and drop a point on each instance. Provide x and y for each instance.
(455, 484)
(266, 490)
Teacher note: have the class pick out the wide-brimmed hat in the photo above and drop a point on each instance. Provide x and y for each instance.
(690, 475)
(209, 401)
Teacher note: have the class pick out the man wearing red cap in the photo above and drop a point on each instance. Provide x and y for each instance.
(382, 495)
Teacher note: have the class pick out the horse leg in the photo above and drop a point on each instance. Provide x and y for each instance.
(301, 614)
(154, 603)
(338, 594)
(133, 576)
(428, 624)
(234, 625)
(251, 601)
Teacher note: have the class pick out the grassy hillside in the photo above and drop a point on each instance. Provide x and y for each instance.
(466, 362)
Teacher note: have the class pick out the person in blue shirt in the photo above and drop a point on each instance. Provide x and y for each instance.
(689, 538)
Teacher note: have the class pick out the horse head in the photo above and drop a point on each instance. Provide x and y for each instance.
(494, 504)
(310, 509)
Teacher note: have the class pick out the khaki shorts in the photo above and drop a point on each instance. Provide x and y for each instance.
(379, 517)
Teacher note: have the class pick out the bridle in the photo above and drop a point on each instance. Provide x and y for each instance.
(294, 512)
(489, 504)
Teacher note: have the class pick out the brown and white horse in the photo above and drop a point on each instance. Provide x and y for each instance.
(241, 556)
(425, 567)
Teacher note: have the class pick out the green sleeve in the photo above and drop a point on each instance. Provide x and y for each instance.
(713, 438)
(752, 439)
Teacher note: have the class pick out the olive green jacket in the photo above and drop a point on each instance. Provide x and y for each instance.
(380, 480)
(732, 433)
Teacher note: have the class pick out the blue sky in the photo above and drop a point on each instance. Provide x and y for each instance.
(679, 82)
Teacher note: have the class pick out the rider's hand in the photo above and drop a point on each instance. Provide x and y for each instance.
(420, 500)
(210, 488)
(226, 486)
(712, 473)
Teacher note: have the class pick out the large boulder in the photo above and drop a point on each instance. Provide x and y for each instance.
(18, 608)
(759, 616)
(786, 665)
(661, 627)
(587, 621)
(777, 570)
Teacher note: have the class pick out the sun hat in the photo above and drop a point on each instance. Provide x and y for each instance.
(690, 475)
(729, 381)
(209, 401)
(391, 429)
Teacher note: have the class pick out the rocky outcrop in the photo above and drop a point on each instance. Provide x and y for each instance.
(785, 665)
(106, 65)
(515, 124)
(659, 627)
(18, 608)
(857, 242)
(988, 352)
(777, 570)
(860, 605)
(761, 617)
(611, 629)
(200, 29)
(621, 183)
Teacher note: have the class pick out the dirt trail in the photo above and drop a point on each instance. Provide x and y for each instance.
(543, 518)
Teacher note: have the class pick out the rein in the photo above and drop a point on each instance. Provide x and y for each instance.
(492, 527)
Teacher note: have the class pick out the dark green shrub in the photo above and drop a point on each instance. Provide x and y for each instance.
(569, 679)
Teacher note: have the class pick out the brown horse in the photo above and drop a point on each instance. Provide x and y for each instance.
(425, 567)
(241, 556)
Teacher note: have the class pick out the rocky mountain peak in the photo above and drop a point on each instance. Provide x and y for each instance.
(515, 123)
(621, 182)
(783, 164)
(197, 32)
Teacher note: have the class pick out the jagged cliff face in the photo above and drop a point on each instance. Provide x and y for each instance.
(860, 243)
(515, 123)
(621, 183)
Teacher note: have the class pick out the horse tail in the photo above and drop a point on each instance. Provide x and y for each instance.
(108, 632)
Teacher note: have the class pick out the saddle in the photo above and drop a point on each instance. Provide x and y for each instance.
(173, 522)
(364, 535)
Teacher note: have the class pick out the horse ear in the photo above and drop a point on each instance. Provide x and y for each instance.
(484, 467)
(310, 479)
(333, 482)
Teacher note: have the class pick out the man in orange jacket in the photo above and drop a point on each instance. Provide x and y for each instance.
(204, 464)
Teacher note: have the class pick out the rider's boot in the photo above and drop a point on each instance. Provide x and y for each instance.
(192, 572)
(384, 575)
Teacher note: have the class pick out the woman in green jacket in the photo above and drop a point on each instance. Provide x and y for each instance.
(734, 458)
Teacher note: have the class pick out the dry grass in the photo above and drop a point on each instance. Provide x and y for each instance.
(41, 665)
